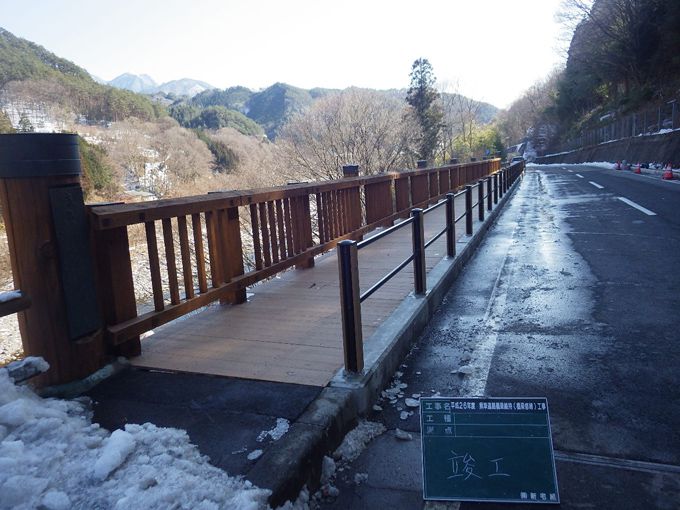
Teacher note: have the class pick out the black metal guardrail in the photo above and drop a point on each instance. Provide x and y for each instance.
(496, 185)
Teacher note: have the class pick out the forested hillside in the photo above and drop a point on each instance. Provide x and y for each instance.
(29, 70)
(624, 56)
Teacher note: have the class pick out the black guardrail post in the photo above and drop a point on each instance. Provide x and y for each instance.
(450, 225)
(495, 188)
(468, 210)
(419, 274)
(480, 199)
(505, 181)
(501, 185)
(352, 340)
(489, 193)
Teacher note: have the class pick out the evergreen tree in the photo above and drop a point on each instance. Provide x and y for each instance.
(25, 125)
(423, 98)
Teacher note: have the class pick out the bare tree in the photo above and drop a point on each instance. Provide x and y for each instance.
(354, 126)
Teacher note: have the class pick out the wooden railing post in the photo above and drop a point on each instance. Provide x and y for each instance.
(231, 251)
(115, 283)
(50, 253)
(350, 305)
(303, 223)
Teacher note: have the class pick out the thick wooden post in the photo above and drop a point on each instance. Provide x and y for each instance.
(232, 251)
(42, 205)
(303, 226)
(115, 283)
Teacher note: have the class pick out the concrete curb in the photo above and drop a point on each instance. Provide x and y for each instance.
(295, 460)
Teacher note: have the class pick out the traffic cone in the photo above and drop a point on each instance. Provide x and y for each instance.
(637, 169)
(618, 165)
(668, 173)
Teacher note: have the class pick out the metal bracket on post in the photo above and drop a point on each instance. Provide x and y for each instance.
(480, 199)
(450, 225)
(419, 272)
(350, 304)
(468, 210)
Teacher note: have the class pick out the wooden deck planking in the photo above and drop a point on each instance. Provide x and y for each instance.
(289, 330)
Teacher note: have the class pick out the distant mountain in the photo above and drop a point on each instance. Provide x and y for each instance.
(29, 72)
(144, 84)
(139, 83)
(183, 87)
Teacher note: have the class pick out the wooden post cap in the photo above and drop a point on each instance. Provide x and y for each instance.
(25, 155)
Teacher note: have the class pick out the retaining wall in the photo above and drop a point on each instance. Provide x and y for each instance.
(661, 148)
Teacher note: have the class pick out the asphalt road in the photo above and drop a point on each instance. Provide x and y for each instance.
(574, 295)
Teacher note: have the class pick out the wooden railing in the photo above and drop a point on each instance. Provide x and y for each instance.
(288, 226)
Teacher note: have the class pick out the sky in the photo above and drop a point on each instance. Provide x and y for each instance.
(490, 50)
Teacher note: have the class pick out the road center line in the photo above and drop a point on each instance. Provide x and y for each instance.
(637, 206)
(596, 185)
(579, 175)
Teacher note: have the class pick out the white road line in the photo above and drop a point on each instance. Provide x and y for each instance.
(637, 206)
(579, 175)
(570, 171)
(596, 185)
(657, 179)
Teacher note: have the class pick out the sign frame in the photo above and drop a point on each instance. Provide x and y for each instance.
(505, 402)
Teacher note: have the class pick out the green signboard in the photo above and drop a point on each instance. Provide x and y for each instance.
(487, 449)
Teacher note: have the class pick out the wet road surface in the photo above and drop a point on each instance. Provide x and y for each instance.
(574, 295)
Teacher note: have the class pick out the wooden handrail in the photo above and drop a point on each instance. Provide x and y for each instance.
(289, 226)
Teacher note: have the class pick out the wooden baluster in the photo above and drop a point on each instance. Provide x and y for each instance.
(186, 256)
(212, 226)
(256, 236)
(282, 230)
(170, 263)
(200, 255)
(272, 232)
(154, 266)
(294, 224)
(265, 234)
(326, 212)
(354, 204)
(292, 250)
(321, 224)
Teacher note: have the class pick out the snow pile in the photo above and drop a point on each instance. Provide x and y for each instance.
(53, 457)
(281, 427)
(356, 440)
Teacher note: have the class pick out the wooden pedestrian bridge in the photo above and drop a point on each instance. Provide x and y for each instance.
(241, 283)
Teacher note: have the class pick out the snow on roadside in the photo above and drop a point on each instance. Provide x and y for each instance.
(53, 457)
(281, 427)
(356, 440)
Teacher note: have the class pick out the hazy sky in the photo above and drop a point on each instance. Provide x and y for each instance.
(494, 49)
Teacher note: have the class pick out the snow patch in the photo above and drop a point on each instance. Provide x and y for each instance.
(281, 427)
(52, 456)
(356, 440)
(116, 450)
